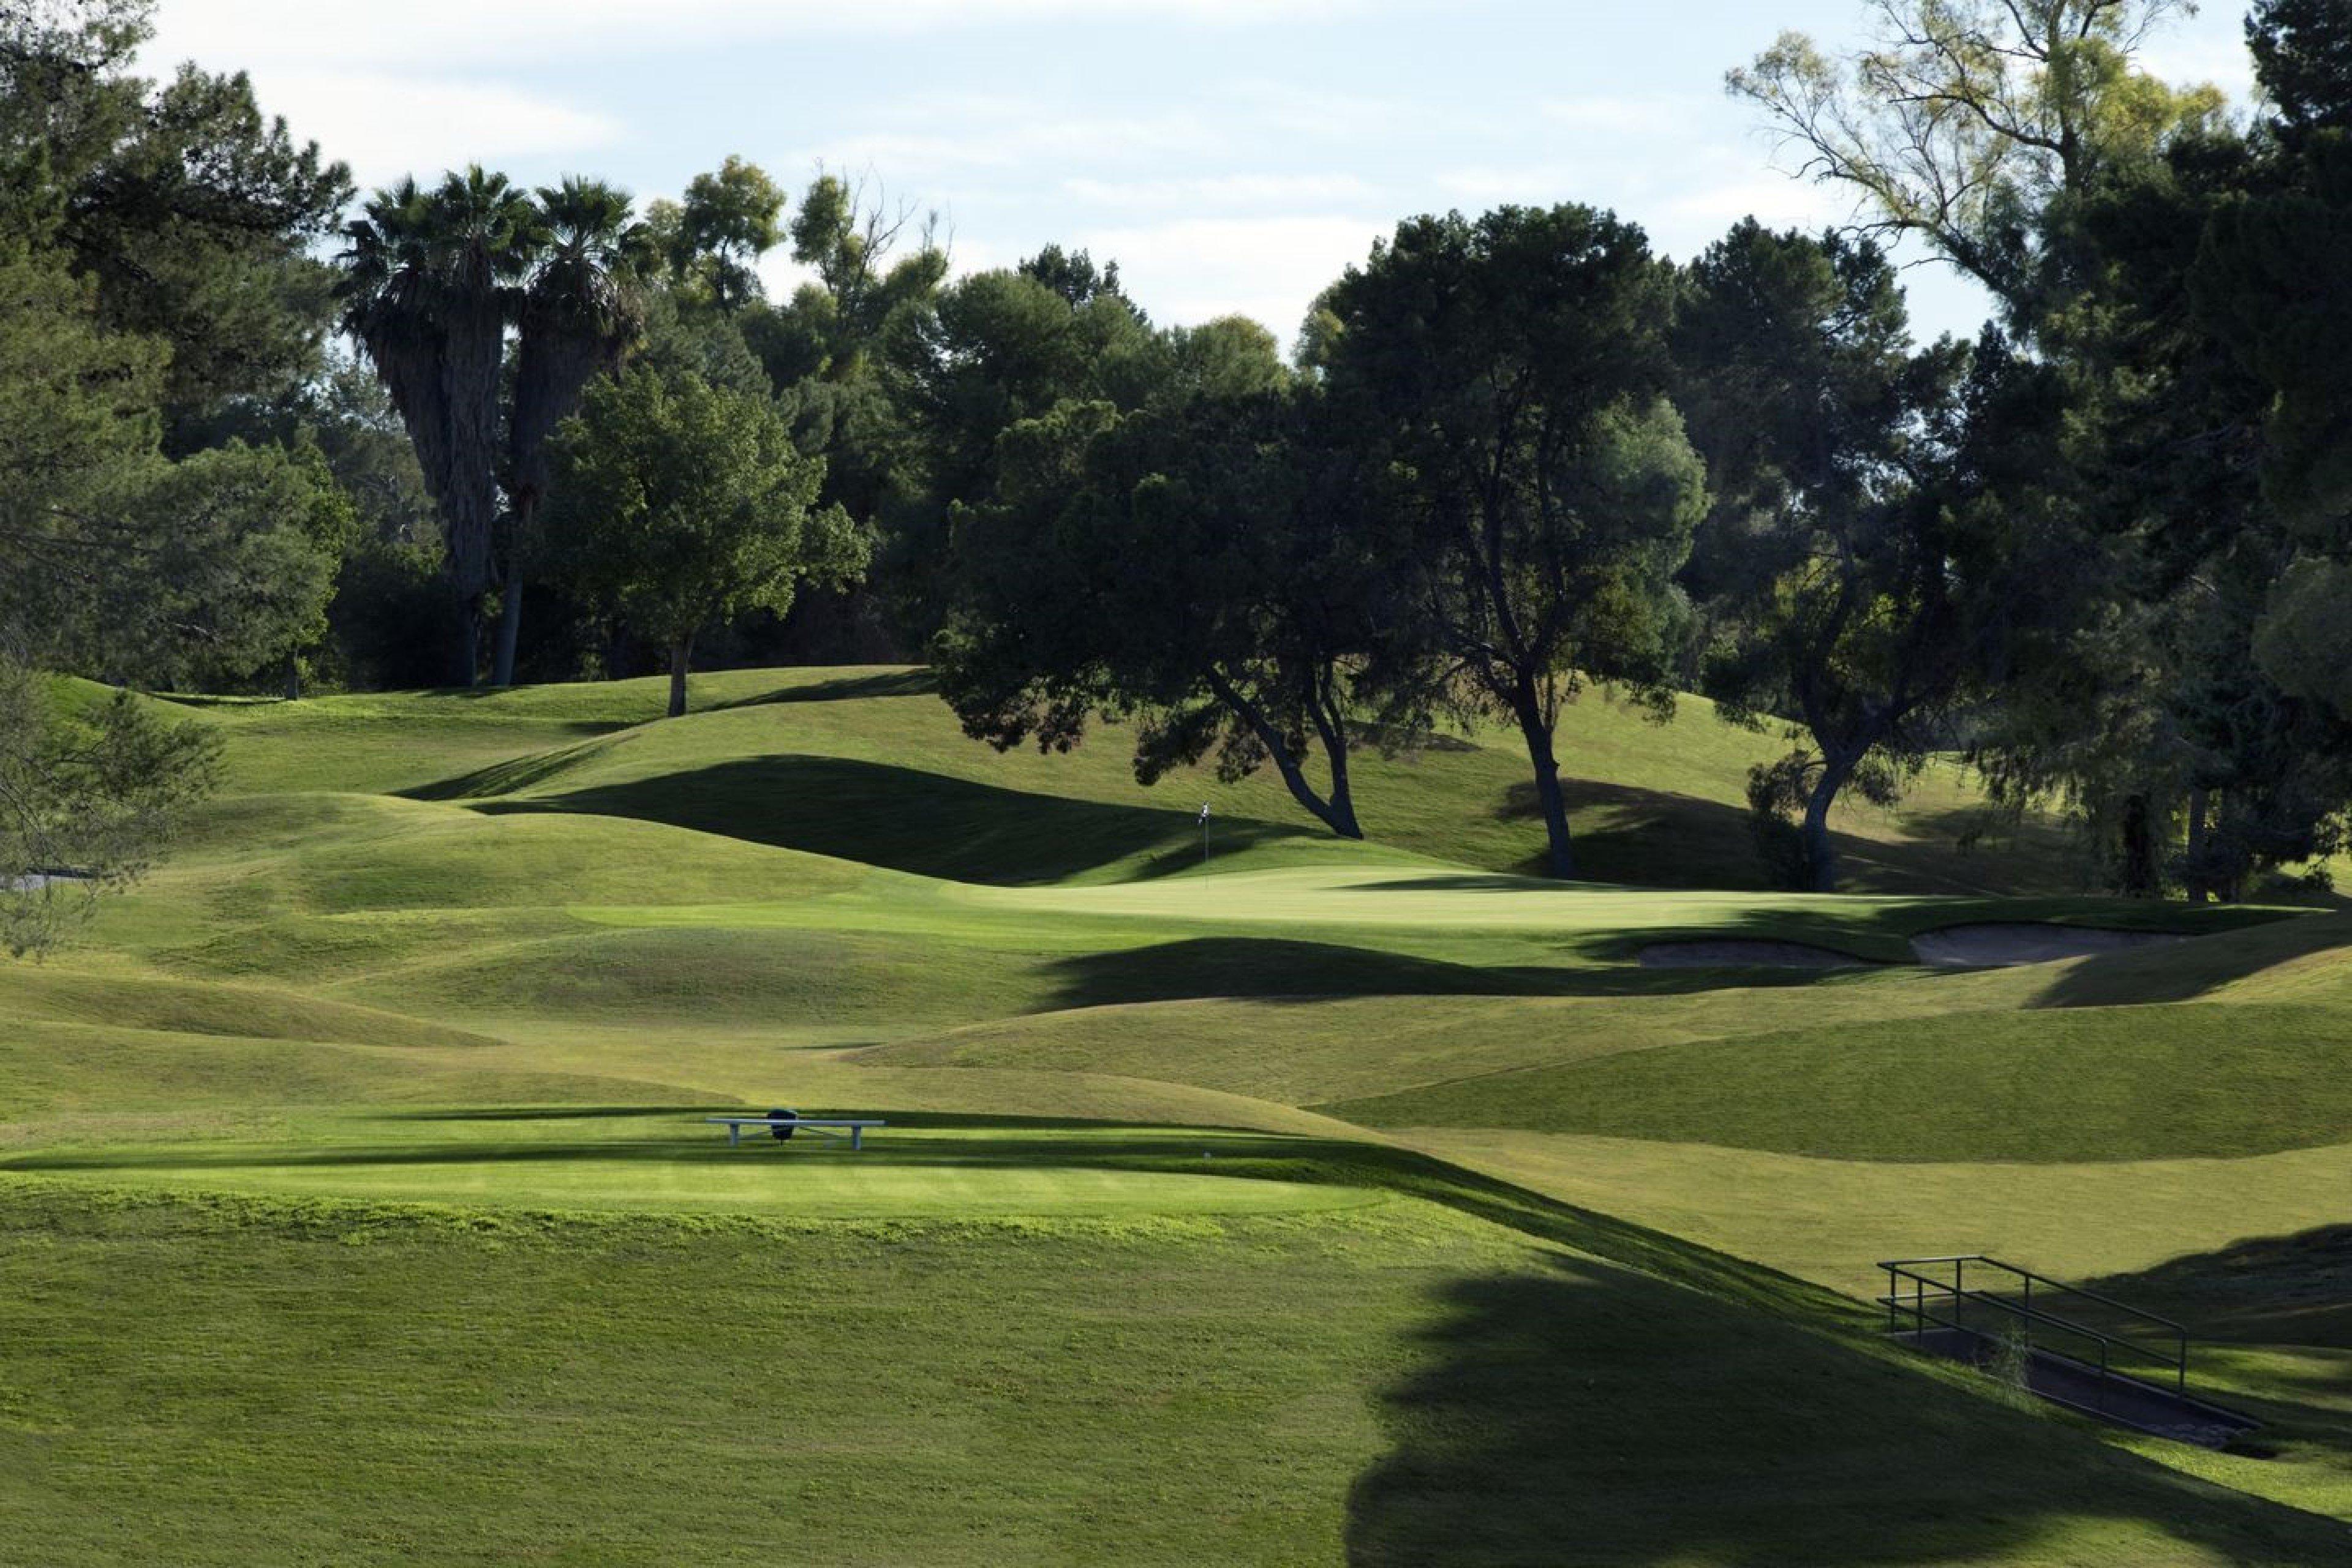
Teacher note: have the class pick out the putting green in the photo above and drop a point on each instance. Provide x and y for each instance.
(673, 1164)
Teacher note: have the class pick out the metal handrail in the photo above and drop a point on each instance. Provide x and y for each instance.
(1966, 1258)
(1957, 1291)
(2177, 1357)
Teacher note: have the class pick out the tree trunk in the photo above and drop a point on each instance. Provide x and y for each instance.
(510, 626)
(1559, 854)
(1338, 812)
(678, 654)
(2200, 884)
(1821, 850)
(469, 636)
(2139, 880)
(293, 678)
(1343, 794)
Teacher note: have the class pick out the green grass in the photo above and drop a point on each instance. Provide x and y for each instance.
(2117, 1083)
(867, 764)
(1395, 1384)
(1317, 1203)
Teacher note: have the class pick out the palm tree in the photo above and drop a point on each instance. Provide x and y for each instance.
(579, 313)
(429, 283)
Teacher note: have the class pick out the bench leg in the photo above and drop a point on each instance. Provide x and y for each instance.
(734, 1135)
(857, 1138)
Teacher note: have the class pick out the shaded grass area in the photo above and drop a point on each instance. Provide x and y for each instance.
(930, 824)
(2284, 1290)
(1538, 1425)
(2082, 1084)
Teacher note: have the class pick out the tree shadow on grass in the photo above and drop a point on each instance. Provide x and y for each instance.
(2182, 973)
(1279, 969)
(1658, 839)
(514, 773)
(905, 819)
(2276, 1289)
(917, 682)
(1575, 1413)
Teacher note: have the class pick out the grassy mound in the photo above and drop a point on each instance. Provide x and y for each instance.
(2125, 1083)
(869, 765)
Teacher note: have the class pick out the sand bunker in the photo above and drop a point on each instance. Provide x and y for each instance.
(1730, 952)
(34, 881)
(1998, 944)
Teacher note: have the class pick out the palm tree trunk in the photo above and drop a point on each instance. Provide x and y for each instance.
(2201, 882)
(502, 662)
(469, 633)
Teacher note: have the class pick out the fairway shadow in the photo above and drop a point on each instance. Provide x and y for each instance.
(1277, 969)
(1576, 1413)
(514, 773)
(1281, 969)
(843, 687)
(2276, 1289)
(2185, 971)
(1658, 839)
(905, 819)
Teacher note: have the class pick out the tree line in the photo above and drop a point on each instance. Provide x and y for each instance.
(256, 438)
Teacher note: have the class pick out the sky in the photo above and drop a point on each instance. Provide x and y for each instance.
(1231, 156)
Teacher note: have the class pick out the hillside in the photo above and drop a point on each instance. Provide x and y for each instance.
(1317, 1203)
(867, 764)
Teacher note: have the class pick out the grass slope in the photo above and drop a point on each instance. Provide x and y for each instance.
(867, 764)
(1320, 1201)
(2119, 1083)
(1394, 1385)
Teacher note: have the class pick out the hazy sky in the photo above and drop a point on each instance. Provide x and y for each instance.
(1233, 155)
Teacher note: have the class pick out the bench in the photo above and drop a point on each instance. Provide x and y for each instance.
(824, 1124)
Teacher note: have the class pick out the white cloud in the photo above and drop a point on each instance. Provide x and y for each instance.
(387, 125)
(1687, 223)
(445, 33)
(1221, 189)
(988, 134)
(1268, 268)
(1661, 115)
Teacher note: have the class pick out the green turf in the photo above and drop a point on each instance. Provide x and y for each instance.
(867, 764)
(1317, 1203)
(2111, 1083)
(1392, 1386)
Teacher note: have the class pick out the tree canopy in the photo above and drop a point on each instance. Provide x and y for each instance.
(1514, 367)
(679, 504)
